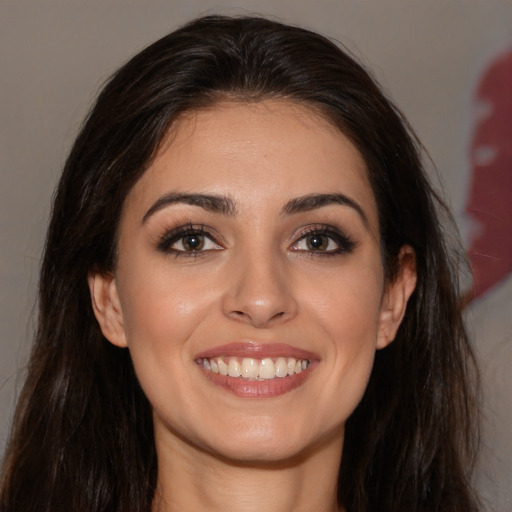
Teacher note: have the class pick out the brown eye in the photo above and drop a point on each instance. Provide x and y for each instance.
(188, 240)
(324, 241)
(317, 242)
(193, 242)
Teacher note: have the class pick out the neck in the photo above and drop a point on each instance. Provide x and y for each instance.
(192, 479)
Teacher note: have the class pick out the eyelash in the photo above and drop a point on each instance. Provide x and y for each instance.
(344, 243)
(173, 236)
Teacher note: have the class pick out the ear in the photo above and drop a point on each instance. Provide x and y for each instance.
(107, 307)
(395, 297)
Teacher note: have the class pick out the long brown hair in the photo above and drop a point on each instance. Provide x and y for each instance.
(82, 437)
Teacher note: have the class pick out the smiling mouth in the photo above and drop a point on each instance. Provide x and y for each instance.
(256, 378)
(250, 369)
(253, 369)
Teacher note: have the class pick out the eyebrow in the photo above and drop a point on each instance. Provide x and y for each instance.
(212, 203)
(226, 206)
(313, 201)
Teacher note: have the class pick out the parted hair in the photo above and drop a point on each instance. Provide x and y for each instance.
(82, 436)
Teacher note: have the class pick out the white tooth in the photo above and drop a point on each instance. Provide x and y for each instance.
(291, 365)
(281, 367)
(214, 367)
(250, 368)
(298, 367)
(267, 369)
(304, 364)
(223, 367)
(234, 369)
(206, 364)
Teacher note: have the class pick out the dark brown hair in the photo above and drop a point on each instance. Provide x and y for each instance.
(82, 437)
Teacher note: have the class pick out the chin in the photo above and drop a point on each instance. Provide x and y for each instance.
(261, 452)
(267, 441)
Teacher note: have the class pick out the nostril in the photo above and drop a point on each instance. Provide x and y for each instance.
(278, 315)
(239, 315)
(255, 318)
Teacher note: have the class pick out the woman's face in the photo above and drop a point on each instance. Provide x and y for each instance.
(249, 287)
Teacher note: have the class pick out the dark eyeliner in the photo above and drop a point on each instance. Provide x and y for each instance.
(170, 237)
(346, 244)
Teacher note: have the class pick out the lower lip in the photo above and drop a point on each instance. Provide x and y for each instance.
(270, 388)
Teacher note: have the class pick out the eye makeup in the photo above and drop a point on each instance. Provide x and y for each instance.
(323, 240)
(190, 239)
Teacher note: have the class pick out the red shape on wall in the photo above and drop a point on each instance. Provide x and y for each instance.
(490, 198)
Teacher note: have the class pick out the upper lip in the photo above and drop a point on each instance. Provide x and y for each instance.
(257, 350)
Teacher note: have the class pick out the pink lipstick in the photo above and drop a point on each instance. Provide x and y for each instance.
(255, 370)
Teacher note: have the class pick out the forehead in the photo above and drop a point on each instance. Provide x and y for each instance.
(272, 150)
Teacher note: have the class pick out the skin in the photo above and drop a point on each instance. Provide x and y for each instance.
(257, 280)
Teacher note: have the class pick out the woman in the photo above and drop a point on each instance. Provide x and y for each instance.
(245, 299)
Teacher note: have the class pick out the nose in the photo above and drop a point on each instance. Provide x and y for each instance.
(259, 291)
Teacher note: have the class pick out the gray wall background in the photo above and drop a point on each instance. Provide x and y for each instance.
(54, 56)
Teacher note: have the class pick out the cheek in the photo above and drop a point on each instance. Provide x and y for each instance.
(348, 303)
(348, 317)
(162, 307)
(159, 320)
(155, 323)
